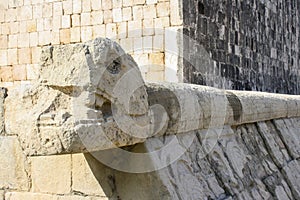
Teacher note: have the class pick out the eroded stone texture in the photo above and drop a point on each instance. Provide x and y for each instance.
(69, 109)
(238, 162)
(13, 165)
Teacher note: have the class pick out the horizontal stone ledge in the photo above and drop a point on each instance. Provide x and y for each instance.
(212, 107)
(92, 97)
(176, 108)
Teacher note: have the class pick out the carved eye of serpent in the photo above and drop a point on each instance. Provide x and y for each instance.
(114, 67)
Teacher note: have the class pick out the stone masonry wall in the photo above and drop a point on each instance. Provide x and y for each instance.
(243, 44)
(138, 25)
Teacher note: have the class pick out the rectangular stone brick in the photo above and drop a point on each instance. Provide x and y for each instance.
(14, 27)
(23, 27)
(83, 177)
(135, 28)
(99, 31)
(138, 45)
(163, 9)
(147, 44)
(57, 9)
(12, 164)
(35, 54)
(127, 14)
(44, 38)
(3, 41)
(117, 14)
(86, 33)
(12, 56)
(97, 17)
(31, 26)
(65, 36)
(149, 12)
(10, 15)
(85, 19)
(111, 30)
(65, 21)
(37, 11)
(6, 74)
(19, 72)
(75, 20)
(55, 37)
(13, 41)
(67, 7)
(158, 43)
(107, 16)
(96, 4)
(24, 55)
(3, 57)
(47, 24)
(122, 30)
(157, 61)
(175, 13)
(51, 174)
(106, 4)
(23, 40)
(160, 24)
(2, 17)
(29, 196)
(137, 12)
(5, 28)
(47, 10)
(40, 25)
(56, 23)
(25, 13)
(76, 6)
(127, 44)
(86, 5)
(148, 27)
(33, 39)
(75, 34)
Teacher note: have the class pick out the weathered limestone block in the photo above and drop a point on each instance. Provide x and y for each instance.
(29, 196)
(292, 175)
(289, 133)
(13, 164)
(274, 144)
(84, 179)
(51, 174)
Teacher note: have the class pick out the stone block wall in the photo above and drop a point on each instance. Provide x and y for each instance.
(138, 25)
(243, 45)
